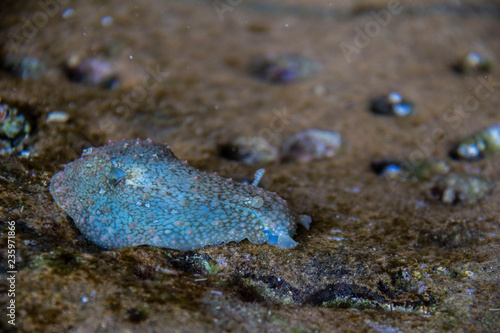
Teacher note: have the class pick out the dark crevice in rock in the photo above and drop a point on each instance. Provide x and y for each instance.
(334, 291)
(190, 262)
(274, 290)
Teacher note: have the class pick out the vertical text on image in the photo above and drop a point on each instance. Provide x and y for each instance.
(11, 273)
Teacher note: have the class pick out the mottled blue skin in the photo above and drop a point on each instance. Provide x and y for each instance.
(136, 192)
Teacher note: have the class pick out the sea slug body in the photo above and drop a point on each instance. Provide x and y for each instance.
(137, 192)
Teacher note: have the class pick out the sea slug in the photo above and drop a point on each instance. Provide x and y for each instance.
(137, 192)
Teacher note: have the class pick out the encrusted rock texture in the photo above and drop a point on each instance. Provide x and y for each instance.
(381, 255)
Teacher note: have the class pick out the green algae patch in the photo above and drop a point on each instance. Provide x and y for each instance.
(265, 291)
(364, 304)
(61, 262)
(351, 303)
(192, 262)
(138, 314)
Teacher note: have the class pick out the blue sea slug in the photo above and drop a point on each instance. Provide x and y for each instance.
(137, 192)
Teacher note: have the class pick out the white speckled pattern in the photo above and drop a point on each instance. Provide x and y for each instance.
(137, 192)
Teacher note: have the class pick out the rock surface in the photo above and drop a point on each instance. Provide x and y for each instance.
(380, 256)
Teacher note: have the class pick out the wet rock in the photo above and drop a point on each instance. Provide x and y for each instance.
(251, 151)
(413, 171)
(286, 68)
(14, 130)
(454, 189)
(479, 145)
(312, 144)
(91, 72)
(392, 105)
(473, 63)
(453, 234)
(24, 67)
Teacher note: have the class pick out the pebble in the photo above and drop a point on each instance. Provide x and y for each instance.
(413, 171)
(392, 105)
(251, 151)
(477, 146)
(454, 189)
(473, 63)
(285, 68)
(14, 130)
(91, 72)
(68, 13)
(24, 67)
(313, 144)
(57, 117)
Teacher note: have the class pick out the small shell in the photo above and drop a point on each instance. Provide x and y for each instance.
(14, 130)
(57, 117)
(91, 72)
(392, 105)
(311, 145)
(473, 63)
(12, 122)
(285, 68)
(388, 169)
(479, 145)
(454, 189)
(405, 170)
(251, 151)
(24, 67)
